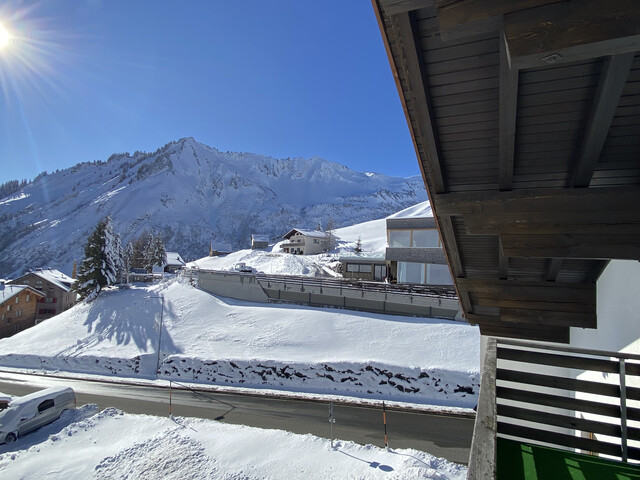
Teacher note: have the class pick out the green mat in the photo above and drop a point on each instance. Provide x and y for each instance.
(522, 461)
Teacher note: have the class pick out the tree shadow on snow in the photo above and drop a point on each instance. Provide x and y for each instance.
(135, 317)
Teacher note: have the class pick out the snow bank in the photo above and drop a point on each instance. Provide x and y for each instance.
(110, 444)
(227, 342)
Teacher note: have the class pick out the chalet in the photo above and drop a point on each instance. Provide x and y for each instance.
(525, 118)
(18, 307)
(305, 242)
(174, 262)
(364, 266)
(259, 241)
(414, 254)
(56, 287)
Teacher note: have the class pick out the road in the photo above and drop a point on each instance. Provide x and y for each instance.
(441, 435)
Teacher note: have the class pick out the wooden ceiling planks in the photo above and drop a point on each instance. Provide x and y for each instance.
(519, 109)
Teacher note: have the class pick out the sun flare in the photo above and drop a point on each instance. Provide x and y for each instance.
(5, 36)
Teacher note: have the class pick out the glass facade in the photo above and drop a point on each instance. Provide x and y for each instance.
(423, 238)
(424, 273)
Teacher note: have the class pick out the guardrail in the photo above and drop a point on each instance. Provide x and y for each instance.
(347, 284)
(414, 300)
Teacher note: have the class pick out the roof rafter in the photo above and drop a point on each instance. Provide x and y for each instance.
(612, 80)
(572, 31)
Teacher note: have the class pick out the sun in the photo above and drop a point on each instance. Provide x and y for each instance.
(5, 36)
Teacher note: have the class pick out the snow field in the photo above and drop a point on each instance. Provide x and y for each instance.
(226, 342)
(85, 444)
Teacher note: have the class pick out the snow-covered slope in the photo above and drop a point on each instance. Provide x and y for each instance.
(110, 444)
(226, 342)
(372, 236)
(193, 194)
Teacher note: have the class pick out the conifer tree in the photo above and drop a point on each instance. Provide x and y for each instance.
(102, 263)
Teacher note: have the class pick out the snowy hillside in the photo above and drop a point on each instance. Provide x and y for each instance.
(193, 194)
(372, 236)
(110, 444)
(227, 342)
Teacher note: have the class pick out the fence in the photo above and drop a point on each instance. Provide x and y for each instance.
(417, 300)
(567, 398)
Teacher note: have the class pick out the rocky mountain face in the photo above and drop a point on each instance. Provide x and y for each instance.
(194, 195)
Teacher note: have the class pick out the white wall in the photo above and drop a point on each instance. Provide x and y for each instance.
(618, 311)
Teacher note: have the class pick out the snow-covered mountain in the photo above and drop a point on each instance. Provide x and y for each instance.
(194, 195)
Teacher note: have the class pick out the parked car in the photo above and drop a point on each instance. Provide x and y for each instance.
(28, 413)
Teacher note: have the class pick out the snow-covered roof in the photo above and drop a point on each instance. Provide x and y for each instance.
(306, 233)
(221, 247)
(260, 238)
(174, 258)
(54, 276)
(421, 210)
(362, 257)
(10, 291)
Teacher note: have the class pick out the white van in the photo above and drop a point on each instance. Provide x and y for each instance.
(28, 413)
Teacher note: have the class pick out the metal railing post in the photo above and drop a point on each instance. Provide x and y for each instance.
(623, 410)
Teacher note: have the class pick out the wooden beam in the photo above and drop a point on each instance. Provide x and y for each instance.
(606, 199)
(520, 316)
(625, 221)
(508, 108)
(394, 7)
(572, 31)
(460, 18)
(530, 295)
(613, 78)
(544, 334)
(601, 247)
(411, 64)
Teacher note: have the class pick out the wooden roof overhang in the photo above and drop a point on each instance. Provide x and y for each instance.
(525, 117)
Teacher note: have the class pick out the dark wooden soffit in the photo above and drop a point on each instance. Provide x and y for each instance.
(543, 234)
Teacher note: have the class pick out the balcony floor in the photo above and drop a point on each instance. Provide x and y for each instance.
(522, 461)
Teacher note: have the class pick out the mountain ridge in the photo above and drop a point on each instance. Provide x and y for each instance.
(194, 194)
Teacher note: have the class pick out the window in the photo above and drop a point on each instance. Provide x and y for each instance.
(438, 275)
(17, 298)
(357, 267)
(19, 313)
(45, 405)
(28, 296)
(400, 238)
(425, 238)
(410, 272)
(8, 308)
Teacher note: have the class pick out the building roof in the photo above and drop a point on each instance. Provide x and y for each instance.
(362, 257)
(260, 238)
(525, 117)
(221, 247)
(54, 277)
(10, 291)
(174, 258)
(306, 233)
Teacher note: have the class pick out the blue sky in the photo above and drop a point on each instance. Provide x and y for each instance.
(83, 79)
